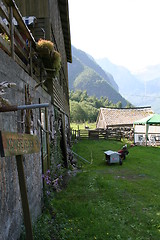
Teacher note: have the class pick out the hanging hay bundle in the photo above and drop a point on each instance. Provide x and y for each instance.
(50, 57)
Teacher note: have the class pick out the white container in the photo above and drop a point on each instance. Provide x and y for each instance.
(113, 157)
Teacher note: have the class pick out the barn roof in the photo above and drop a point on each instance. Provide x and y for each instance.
(124, 116)
(64, 13)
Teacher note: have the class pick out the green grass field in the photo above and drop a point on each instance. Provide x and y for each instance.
(110, 202)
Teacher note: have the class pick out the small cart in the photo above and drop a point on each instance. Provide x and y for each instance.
(113, 157)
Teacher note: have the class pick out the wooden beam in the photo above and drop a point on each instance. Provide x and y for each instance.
(64, 150)
(12, 32)
(47, 138)
(23, 191)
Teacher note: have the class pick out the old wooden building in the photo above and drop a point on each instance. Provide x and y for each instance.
(38, 76)
(121, 117)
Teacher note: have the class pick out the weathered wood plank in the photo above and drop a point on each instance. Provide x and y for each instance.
(21, 53)
(23, 191)
(47, 138)
(20, 39)
(20, 62)
(4, 27)
(3, 10)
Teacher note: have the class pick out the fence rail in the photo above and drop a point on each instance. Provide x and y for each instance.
(96, 134)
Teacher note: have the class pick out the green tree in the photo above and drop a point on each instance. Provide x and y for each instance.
(106, 103)
(119, 104)
(77, 114)
(91, 112)
(84, 96)
(76, 96)
(129, 105)
(84, 107)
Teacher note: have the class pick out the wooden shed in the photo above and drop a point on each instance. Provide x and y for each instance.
(121, 117)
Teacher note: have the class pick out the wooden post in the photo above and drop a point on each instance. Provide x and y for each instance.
(12, 32)
(28, 111)
(47, 138)
(17, 144)
(79, 134)
(30, 55)
(23, 191)
(64, 150)
(40, 118)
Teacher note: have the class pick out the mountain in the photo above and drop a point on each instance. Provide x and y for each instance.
(152, 87)
(104, 78)
(85, 74)
(148, 73)
(96, 85)
(128, 83)
(91, 63)
(150, 76)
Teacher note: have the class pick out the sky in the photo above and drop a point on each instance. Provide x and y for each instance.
(127, 32)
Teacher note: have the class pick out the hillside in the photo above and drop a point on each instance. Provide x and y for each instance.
(96, 85)
(127, 82)
(104, 78)
(85, 74)
(150, 76)
(153, 87)
(141, 88)
(89, 61)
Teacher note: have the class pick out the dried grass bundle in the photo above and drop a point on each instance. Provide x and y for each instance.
(42, 43)
(56, 58)
(51, 58)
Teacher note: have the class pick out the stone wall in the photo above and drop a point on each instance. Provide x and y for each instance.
(11, 217)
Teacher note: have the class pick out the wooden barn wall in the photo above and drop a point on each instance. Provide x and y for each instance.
(42, 23)
(47, 9)
(48, 18)
(10, 201)
(38, 8)
(58, 38)
(10, 71)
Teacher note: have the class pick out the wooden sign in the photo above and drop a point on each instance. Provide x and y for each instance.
(12, 144)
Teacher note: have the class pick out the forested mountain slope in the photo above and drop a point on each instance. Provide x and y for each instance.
(86, 74)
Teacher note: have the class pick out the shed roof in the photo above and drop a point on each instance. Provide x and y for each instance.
(124, 116)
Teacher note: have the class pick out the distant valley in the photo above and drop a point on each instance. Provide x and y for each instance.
(103, 78)
(140, 88)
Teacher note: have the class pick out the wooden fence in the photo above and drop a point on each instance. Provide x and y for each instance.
(96, 134)
(114, 133)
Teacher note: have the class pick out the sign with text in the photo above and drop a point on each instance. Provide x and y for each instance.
(12, 144)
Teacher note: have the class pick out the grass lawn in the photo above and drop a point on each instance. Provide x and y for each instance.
(110, 202)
